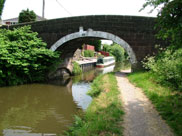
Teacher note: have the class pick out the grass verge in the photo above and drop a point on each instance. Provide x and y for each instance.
(168, 102)
(104, 115)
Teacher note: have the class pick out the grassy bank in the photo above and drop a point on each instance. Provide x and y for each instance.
(168, 102)
(76, 68)
(104, 115)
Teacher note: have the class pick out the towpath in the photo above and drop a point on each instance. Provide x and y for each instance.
(141, 118)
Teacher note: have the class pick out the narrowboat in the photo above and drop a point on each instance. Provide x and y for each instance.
(105, 61)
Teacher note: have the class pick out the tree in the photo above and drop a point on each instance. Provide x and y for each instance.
(170, 23)
(96, 43)
(116, 50)
(106, 47)
(167, 64)
(169, 20)
(24, 58)
(26, 16)
(1, 6)
(154, 3)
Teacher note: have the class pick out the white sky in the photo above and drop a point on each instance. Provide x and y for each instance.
(12, 8)
(106, 42)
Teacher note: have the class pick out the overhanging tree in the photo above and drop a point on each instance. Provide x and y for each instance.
(24, 58)
(167, 64)
(169, 20)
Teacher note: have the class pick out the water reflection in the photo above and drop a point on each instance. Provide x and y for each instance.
(44, 109)
(106, 69)
(41, 108)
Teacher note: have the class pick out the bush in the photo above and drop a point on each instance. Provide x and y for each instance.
(116, 50)
(88, 53)
(26, 16)
(76, 68)
(167, 67)
(24, 58)
(95, 43)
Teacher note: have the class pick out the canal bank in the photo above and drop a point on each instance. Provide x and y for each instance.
(104, 114)
(87, 63)
(42, 109)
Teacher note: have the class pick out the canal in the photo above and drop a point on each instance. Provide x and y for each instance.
(45, 109)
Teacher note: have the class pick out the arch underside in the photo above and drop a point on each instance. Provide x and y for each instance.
(66, 70)
(97, 34)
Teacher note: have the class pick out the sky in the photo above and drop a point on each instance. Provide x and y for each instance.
(68, 8)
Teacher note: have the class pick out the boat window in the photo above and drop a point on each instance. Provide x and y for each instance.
(100, 61)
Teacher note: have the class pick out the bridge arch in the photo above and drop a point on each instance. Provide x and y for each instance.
(97, 34)
(60, 72)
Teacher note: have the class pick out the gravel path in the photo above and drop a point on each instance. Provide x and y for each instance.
(141, 119)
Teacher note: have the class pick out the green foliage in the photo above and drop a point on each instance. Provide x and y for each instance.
(88, 53)
(96, 44)
(154, 3)
(116, 50)
(104, 114)
(76, 68)
(1, 7)
(26, 16)
(169, 21)
(24, 58)
(107, 48)
(167, 67)
(167, 102)
(96, 87)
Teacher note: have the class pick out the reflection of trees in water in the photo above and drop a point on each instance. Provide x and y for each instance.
(36, 106)
(23, 115)
(67, 81)
(85, 76)
(90, 75)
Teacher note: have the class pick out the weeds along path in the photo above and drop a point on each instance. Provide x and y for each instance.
(141, 118)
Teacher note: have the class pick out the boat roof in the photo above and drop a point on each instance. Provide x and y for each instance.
(107, 57)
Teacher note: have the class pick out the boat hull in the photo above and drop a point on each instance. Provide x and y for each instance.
(104, 65)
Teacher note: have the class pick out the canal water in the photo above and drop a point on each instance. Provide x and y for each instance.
(44, 109)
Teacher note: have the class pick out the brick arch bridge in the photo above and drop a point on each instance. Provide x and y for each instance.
(137, 33)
